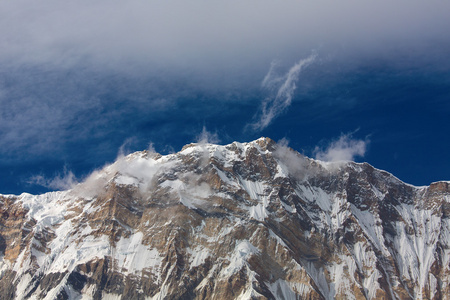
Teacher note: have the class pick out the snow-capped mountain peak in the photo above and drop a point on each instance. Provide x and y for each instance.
(250, 220)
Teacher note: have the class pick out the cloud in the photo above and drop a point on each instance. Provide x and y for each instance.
(293, 162)
(61, 182)
(202, 33)
(343, 149)
(272, 78)
(151, 148)
(285, 86)
(124, 149)
(206, 137)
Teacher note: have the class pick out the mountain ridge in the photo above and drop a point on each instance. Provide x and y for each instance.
(250, 220)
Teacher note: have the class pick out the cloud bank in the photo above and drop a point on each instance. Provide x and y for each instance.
(203, 34)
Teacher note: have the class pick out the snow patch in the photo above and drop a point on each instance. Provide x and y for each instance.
(415, 251)
(198, 256)
(127, 180)
(366, 260)
(106, 296)
(258, 212)
(131, 256)
(282, 289)
(242, 252)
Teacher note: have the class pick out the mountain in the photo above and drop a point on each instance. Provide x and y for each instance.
(243, 221)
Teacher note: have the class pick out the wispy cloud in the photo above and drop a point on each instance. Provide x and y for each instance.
(343, 149)
(283, 88)
(124, 149)
(64, 181)
(206, 137)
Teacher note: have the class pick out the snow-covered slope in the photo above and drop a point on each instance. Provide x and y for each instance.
(242, 221)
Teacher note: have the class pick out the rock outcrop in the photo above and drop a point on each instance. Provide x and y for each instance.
(243, 221)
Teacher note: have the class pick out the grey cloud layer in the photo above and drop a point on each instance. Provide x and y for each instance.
(199, 33)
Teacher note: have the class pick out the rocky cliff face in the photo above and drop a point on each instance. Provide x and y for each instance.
(241, 221)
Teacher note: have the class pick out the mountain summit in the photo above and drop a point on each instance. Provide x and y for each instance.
(243, 221)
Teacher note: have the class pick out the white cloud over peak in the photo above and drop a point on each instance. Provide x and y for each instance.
(124, 148)
(206, 137)
(61, 182)
(343, 149)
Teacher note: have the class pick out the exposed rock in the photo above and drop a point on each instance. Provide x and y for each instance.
(242, 221)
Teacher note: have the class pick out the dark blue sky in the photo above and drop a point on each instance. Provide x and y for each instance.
(82, 82)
